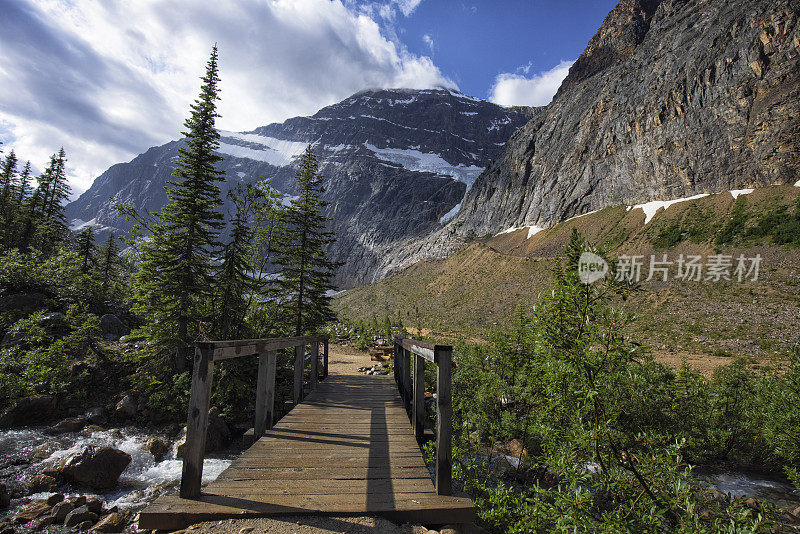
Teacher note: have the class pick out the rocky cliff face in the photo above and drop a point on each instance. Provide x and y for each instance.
(396, 165)
(670, 98)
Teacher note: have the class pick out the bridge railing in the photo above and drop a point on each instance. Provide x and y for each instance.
(209, 352)
(411, 383)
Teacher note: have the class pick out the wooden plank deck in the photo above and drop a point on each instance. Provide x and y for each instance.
(348, 449)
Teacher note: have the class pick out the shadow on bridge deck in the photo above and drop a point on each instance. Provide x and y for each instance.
(348, 449)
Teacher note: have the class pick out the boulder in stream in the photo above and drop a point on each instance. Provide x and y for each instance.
(28, 411)
(41, 483)
(218, 435)
(96, 467)
(31, 511)
(61, 510)
(78, 516)
(70, 424)
(113, 522)
(157, 447)
(97, 416)
(126, 408)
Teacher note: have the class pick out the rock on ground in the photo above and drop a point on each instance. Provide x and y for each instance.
(113, 522)
(28, 411)
(157, 447)
(70, 424)
(126, 408)
(97, 468)
(113, 328)
(80, 515)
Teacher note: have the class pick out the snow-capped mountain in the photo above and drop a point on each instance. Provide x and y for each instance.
(396, 164)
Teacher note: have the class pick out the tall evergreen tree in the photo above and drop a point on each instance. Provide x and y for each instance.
(87, 251)
(8, 174)
(44, 223)
(23, 187)
(306, 270)
(176, 275)
(234, 277)
(110, 265)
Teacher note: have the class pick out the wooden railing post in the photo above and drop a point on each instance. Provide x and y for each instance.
(418, 404)
(197, 422)
(396, 359)
(299, 356)
(407, 377)
(265, 393)
(325, 359)
(444, 410)
(314, 365)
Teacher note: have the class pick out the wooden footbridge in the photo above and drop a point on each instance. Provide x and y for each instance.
(346, 448)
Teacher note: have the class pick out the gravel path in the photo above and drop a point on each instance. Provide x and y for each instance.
(305, 525)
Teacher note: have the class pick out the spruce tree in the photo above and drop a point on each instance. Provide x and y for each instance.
(110, 265)
(8, 174)
(176, 275)
(44, 222)
(306, 270)
(86, 249)
(234, 278)
(57, 189)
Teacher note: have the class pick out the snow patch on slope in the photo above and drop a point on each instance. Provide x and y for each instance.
(736, 192)
(650, 208)
(277, 152)
(450, 214)
(415, 160)
(532, 230)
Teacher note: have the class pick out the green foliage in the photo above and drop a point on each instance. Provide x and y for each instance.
(306, 271)
(87, 250)
(696, 224)
(605, 429)
(669, 236)
(40, 362)
(175, 279)
(780, 403)
(779, 224)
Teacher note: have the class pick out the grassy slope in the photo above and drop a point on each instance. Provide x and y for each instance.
(480, 285)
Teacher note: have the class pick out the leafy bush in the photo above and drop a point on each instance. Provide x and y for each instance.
(605, 429)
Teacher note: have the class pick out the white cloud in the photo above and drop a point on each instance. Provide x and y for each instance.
(107, 79)
(511, 89)
(428, 40)
(407, 7)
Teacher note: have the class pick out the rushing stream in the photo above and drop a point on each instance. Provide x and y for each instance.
(26, 452)
(762, 487)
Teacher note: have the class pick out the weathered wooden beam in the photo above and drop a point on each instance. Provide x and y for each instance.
(314, 365)
(396, 359)
(299, 356)
(444, 412)
(283, 342)
(197, 423)
(224, 350)
(418, 404)
(265, 393)
(426, 349)
(407, 377)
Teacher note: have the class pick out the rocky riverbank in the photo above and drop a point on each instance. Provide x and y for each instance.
(96, 479)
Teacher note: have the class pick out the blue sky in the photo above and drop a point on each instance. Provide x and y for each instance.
(473, 42)
(107, 80)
